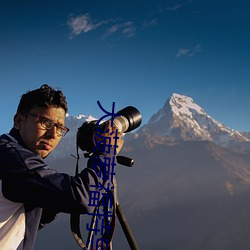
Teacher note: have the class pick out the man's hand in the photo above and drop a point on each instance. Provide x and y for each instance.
(111, 138)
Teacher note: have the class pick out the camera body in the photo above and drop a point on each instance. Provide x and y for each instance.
(125, 121)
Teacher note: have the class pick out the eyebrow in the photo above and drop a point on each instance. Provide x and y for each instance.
(58, 123)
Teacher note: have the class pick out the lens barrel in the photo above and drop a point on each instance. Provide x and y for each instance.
(129, 119)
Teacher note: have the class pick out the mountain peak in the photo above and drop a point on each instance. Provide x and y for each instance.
(182, 119)
(182, 104)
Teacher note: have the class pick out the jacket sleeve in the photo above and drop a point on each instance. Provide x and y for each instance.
(27, 179)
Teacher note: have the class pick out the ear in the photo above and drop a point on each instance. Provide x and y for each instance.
(18, 119)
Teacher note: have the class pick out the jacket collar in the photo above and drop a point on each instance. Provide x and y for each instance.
(16, 135)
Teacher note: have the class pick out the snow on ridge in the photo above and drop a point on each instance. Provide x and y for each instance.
(74, 122)
(81, 117)
(184, 105)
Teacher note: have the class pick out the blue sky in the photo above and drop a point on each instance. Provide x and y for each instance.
(129, 52)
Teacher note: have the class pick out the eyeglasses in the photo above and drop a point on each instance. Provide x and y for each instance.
(49, 124)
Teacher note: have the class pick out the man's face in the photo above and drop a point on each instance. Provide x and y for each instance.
(35, 137)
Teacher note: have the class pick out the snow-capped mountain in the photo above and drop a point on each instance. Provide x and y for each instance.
(182, 119)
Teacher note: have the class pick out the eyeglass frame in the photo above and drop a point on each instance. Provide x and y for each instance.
(41, 118)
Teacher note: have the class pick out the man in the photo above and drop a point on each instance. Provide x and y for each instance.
(30, 192)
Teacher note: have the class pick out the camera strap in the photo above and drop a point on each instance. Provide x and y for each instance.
(104, 242)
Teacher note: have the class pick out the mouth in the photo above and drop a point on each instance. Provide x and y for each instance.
(46, 145)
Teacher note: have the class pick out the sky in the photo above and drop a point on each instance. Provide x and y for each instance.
(133, 53)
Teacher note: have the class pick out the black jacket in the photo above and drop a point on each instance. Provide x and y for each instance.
(27, 181)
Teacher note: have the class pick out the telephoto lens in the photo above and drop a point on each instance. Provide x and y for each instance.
(127, 120)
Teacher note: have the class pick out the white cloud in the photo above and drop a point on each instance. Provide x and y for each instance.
(189, 52)
(83, 24)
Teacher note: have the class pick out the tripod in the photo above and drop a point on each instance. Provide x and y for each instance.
(117, 212)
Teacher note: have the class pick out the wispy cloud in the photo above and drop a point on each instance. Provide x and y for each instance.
(174, 7)
(150, 23)
(83, 24)
(189, 51)
(182, 52)
(127, 29)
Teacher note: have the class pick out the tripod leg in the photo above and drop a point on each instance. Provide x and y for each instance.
(127, 231)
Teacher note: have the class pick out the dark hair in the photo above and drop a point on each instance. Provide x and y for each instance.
(45, 96)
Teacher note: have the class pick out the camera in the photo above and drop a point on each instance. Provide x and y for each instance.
(124, 120)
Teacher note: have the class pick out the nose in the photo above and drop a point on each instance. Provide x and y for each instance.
(52, 132)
